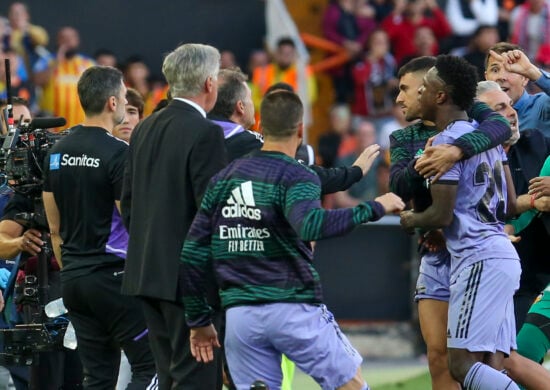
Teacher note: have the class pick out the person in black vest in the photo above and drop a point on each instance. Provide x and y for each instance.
(82, 186)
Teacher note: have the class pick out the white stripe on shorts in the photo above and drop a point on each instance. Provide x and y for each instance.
(469, 301)
(154, 385)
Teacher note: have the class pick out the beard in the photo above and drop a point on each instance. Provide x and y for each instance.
(513, 139)
(70, 53)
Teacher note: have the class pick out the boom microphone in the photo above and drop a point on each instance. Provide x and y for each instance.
(47, 123)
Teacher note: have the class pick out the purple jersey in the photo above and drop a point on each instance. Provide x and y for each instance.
(477, 230)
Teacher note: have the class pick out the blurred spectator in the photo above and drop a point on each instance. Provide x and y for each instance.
(21, 116)
(367, 187)
(530, 26)
(382, 8)
(20, 85)
(282, 69)
(505, 8)
(383, 177)
(397, 122)
(483, 39)
(258, 58)
(542, 60)
(349, 24)
(105, 57)
(425, 44)
(58, 76)
(24, 38)
(338, 137)
(227, 59)
(134, 113)
(374, 78)
(406, 17)
(136, 75)
(543, 57)
(465, 16)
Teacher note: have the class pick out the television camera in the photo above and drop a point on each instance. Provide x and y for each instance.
(22, 153)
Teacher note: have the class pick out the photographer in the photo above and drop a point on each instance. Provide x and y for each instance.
(82, 186)
(20, 110)
(55, 369)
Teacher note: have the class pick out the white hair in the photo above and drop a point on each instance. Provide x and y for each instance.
(187, 68)
(486, 86)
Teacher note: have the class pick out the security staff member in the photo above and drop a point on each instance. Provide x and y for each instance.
(83, 179)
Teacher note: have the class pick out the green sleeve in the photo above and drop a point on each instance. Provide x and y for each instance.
(493, 130)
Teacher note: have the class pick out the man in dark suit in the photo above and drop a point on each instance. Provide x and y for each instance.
(526, 155)
(172, 156)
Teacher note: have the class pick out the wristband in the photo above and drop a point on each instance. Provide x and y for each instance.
(533, 201)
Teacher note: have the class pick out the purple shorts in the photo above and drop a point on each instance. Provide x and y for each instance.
(434, 277)
(257, 335)
(481, 308)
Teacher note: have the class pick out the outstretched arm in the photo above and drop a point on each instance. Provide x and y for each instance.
(340, 179)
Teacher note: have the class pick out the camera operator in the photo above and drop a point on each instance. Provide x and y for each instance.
(55, 369)
(20, 110)
(82, 186)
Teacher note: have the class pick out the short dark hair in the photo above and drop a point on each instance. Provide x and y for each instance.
(501, 47)
(15, 101)
(281, 113)
(231, 89)
(418, 64)
(96, 85)
(285, 41)
(104, 52)
(135, 99)
(133, 59)
(280, 86)
(460, 78)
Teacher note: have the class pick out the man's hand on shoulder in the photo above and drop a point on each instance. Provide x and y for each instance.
(437, 160)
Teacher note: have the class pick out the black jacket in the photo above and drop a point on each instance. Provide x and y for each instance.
(172, 156)
(332, 179)
(526, 159)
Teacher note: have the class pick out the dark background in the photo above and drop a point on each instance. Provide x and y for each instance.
(366, 274)
(153, 28)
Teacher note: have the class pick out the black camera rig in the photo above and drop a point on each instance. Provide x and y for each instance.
(22, 153)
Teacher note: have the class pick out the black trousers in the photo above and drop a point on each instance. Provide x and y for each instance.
(169, 336)
(106, 321)
(57, 370)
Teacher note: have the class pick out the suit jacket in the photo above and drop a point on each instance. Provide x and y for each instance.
(526, 159)
(172, 156)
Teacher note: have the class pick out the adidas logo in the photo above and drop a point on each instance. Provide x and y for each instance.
(241, 203)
